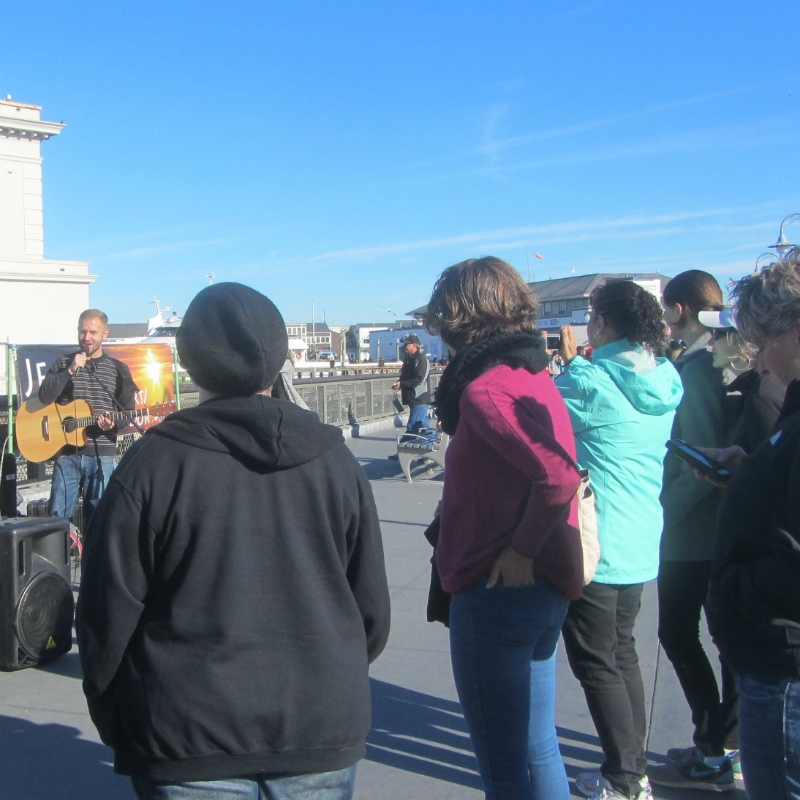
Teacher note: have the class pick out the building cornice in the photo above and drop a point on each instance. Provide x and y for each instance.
(38, 130)
(45, 277)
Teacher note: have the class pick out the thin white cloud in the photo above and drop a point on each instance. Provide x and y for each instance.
(593, 125)
(717, 139)
(135, 237)
(492, 147)
(145, 252)
(560, 232)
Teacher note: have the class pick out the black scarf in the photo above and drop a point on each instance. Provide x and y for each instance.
(517, 350)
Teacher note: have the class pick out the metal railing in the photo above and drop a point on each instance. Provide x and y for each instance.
(343, 400)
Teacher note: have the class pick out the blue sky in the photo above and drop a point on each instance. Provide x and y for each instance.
(347, 152)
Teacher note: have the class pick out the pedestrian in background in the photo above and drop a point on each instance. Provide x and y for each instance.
(413, 384)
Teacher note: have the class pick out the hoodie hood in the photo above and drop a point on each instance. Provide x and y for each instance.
(651, 385)
(261, 432)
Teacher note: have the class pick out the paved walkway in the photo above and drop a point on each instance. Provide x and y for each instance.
(419, 746)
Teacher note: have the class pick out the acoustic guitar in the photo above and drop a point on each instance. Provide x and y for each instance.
(45, 431)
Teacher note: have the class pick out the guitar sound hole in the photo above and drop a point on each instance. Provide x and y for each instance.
(69, 424)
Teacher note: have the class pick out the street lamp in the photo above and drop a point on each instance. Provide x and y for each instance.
(765, 260)
(783, 245)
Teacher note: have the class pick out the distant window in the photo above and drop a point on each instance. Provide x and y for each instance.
(546, 309)
(562, 307)
(569, 306)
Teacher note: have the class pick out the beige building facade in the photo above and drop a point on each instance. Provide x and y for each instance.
(40, 298)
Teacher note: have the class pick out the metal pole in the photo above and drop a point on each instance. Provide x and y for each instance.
(10, 393)
(176, 378)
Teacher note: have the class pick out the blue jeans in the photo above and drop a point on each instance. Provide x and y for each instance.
(502, 646)
(418, 417)
(769, 736)
(70, 473)
(336, 785)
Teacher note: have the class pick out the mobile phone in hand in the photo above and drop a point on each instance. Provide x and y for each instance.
(703, 464)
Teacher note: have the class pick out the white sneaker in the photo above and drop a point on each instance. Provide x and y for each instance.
(612, 794)
(589, 783)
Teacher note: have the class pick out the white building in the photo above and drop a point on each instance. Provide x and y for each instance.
(40, 299)
(565, 301)
(316, 335)
(358, 339)
(387, 344)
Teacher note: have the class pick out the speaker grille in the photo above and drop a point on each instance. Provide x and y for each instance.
(44, 616)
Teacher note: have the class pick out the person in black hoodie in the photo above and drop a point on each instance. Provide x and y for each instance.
(234, 589)
(753, 605)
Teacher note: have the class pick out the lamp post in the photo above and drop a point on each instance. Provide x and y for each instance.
(764, 261)
(783, 245)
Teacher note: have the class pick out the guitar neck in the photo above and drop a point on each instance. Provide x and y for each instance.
(85, 422)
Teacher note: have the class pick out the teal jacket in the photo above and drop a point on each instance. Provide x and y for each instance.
(621, 406)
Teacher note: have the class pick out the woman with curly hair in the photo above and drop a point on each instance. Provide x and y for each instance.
(509, 550)
(621, 405)
(753, 604)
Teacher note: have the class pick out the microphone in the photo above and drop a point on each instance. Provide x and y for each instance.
(84, 350)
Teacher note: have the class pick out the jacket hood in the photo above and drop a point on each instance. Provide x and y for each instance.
(263, 433)
(651, 385)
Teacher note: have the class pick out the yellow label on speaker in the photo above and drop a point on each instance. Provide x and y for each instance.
(51, 643)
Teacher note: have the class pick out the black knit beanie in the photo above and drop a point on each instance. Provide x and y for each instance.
(232, 340)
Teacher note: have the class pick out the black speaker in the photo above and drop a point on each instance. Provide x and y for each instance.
(36, 603)
(8, 490)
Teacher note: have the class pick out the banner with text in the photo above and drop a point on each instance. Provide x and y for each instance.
(150, 366)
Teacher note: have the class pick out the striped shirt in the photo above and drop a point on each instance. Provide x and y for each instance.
(88, 384)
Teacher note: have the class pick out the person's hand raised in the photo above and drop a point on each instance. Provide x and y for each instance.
(569, 346)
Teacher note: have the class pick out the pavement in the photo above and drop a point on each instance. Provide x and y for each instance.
(419, 746)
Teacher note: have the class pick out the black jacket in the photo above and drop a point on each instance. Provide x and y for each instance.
(754, 598)
(414, 372)
(233, 594)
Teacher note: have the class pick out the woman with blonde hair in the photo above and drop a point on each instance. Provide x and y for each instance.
(754, 597)
(509, 550)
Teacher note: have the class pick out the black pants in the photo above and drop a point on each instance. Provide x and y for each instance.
(682, 590)
(598, 634)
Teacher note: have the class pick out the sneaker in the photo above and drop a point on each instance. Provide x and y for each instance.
(607, 793)
(683, 755)
(691, 771)
(589, 783)
(736, 764)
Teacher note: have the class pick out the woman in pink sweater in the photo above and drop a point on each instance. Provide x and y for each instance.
(509, 549)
